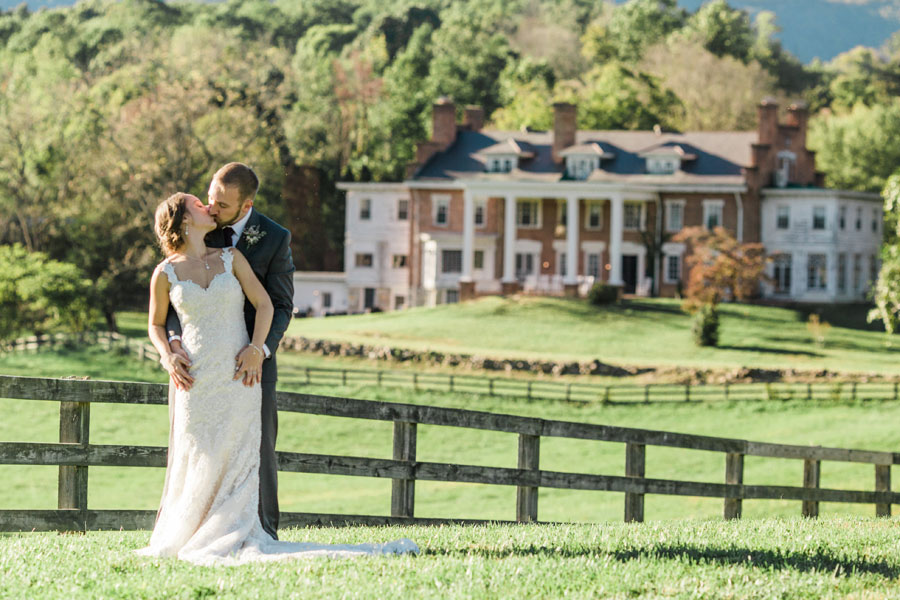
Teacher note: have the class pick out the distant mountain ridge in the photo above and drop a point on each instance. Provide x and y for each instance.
(810, 28)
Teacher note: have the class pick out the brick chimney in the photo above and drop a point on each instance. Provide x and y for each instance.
(564, 127)
(768, 121)
(443, 119)
(798, 116)
(474, 118)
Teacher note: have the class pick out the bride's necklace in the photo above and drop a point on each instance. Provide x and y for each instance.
(204, 260)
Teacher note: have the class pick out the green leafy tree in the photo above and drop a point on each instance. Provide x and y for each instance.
(626, 30)
(858, 150)
(40, 295)
(887, 287)
(723, 30)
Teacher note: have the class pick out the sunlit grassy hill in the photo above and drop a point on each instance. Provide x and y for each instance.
(637, 332)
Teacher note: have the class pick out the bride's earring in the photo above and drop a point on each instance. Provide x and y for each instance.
(185, 232)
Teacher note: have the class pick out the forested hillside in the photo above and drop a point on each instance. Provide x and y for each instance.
(110, 106)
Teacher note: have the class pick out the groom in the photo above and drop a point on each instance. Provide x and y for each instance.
(266, 245)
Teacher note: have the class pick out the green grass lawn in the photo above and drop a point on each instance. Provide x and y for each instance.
(866, 425)
(766, 558)
(647, 332)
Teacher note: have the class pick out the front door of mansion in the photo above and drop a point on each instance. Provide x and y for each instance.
(629, 273)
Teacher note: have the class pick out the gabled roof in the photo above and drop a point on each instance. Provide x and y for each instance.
(509, 146)
(669, 148)
(719, 154)
(591, 148)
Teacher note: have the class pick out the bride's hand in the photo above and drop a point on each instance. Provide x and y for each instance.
(248, 365)
(177, 364)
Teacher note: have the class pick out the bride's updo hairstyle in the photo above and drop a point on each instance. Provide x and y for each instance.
(169, 222)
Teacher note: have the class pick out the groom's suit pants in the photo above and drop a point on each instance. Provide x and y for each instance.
(268, 463)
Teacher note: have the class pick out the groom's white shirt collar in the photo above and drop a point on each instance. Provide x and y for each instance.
(239, 227)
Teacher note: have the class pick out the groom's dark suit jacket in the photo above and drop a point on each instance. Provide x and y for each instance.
(270, 258)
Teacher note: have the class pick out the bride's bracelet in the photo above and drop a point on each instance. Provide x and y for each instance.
(257, 348)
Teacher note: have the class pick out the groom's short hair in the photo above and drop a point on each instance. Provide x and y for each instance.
(240, 176)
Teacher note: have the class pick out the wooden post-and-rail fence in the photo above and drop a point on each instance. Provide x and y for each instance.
(74, 454)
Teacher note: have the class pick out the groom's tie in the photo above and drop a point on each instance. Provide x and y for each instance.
(229, 236)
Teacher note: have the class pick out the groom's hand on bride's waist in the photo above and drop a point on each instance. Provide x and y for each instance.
(178, 366)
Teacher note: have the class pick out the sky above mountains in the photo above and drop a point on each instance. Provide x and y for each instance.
(810, 28)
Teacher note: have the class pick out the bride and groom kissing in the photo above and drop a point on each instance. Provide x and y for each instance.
(220, 303)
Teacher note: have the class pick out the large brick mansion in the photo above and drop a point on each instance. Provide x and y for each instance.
(551, 212)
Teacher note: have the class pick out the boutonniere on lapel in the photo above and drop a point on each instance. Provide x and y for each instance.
(252, 235)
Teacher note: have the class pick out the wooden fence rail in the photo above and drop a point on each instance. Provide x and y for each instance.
(74, 454)
(594, 392)
(571, 391)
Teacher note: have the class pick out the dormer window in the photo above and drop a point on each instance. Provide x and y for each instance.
(663, 165)
(504, 157)
(584, 159)
(581, 166)
(502, 164)
(666, 158)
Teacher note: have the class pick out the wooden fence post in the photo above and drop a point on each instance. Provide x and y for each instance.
(811, 473)
(491, 386)
(734, 474)
(74, 428)
(634, 467)
(526, 495)
(451, 383)
(380, 375)
(882, 484)
(403, 491)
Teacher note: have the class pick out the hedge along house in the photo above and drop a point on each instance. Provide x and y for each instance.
(552, 212)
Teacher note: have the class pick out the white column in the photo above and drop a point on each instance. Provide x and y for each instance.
(509, 239)
(616, 225)
(572, 227)
(468, 235)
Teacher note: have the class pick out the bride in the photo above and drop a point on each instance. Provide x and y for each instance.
(208, 513)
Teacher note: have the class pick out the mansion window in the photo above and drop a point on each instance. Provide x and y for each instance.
(562, 264)
(873, 270)
(816, 271)
(479, 212)
(524, 265)
(857, 272)
(441, 210)
(673, 268)
(478, 260)
(593, 265)
(451, 261)
(783, 219)
(326, 299)
(402, 209)
(580, 167)
(859, 218)
(842, 272)
(875, 218)
(451, 297)
(674, 215)
(364, 260)
(502, 164)
(399, 261)
(842, 217)
(663, 165)
(594, 215)
(819, 218)
(365, 209)
(399, 302)
(528, 213)
(712, 213)
(633, 215)
(782, 274)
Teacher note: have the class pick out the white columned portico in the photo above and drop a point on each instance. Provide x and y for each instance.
(468, 235)
(509, 239)
(466, 283)
(572, 227)
(616, 226)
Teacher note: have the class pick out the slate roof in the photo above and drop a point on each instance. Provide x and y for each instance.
(720, 155)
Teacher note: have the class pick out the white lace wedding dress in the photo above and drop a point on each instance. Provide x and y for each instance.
(209, 513)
